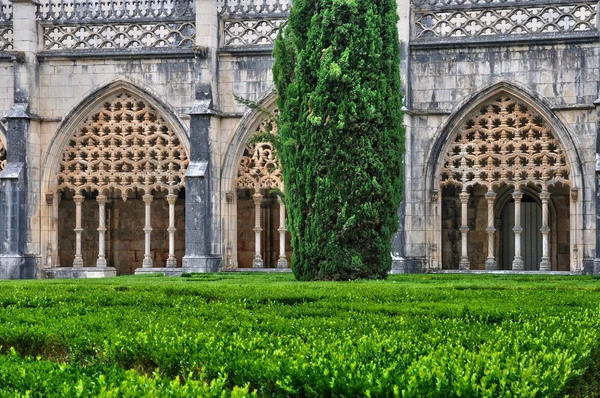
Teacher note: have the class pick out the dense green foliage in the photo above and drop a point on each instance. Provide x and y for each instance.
(337, 74)
(240, 334)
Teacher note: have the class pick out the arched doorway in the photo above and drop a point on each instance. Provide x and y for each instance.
(120, 185)
(504, 144)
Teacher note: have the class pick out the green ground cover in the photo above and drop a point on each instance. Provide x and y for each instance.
(268, 335)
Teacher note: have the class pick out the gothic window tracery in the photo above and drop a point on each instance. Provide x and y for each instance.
(2, 156)
(504, 142)
(259, 167)
(123, 146)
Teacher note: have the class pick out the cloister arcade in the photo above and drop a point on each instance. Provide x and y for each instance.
(260, 212)
(121, 177)
(508, 200)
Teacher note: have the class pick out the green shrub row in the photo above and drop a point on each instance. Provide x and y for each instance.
(435, 336)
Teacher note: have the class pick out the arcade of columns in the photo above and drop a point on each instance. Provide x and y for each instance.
(504, 142)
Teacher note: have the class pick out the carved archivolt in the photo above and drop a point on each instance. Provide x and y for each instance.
(2, 156)
(504, 142)
(259, 167)
(123, 146)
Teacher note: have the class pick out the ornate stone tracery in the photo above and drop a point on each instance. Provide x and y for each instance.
(123, 146)
(504, 142)
(2, 156)
(259, 167)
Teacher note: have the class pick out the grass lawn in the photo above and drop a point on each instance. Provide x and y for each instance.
(268, 335)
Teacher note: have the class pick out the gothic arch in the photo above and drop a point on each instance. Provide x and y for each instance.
(504, 137)
(119, 142)
(252, 212)
(70, 123)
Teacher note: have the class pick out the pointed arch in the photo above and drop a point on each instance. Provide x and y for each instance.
(93, 102)
(444, 139)
(248, 125)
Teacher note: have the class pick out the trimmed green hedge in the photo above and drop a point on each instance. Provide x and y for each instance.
(238, 335)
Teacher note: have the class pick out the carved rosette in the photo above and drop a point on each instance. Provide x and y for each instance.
(123, 146)
(504, 142)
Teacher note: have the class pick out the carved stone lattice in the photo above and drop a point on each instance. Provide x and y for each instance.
(533, 20)
(259, 168)
(2, 156)
(119, 36)
(124, 10)
(441, 3)
(124, 146)
(251, 32)
(6, 38)
(251, 7)
(5, 11)
(504, 142)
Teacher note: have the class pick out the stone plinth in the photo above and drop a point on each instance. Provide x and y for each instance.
(85, 272)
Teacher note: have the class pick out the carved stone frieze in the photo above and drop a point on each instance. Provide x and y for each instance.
(124, 145)
(250, 32)
(6, 38)
(504, 142)
(119, 36)
(250, 7)
(5, 11)
(506, 21)
(124, 10)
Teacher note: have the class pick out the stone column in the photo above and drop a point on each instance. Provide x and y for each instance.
(517, 263)
(545, 263)
(78, 261)
(282, 262)
(574, 225)
(258, 262)
(147, 262)
(171, 261)
(101, 199)
(20, 251)
(490, 263)
(464, 229)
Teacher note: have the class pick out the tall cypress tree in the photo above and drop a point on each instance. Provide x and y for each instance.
(337, 73)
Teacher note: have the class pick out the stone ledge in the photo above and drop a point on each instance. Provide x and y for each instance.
(157, 271)
(267, 270)
(85, 272)
(504, 272)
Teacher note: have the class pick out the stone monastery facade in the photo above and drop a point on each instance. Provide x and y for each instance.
(123, 148)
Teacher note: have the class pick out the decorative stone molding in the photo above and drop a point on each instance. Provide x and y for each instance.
(441, 3)
(504, 21)
(6, 28)
(124, 146)
(251, 32)
(123, 10)
(504, 142)
(253, 7)
(119, 36)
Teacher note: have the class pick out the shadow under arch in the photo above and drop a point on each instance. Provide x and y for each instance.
(53, 154)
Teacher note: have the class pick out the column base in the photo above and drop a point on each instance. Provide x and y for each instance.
(73, 273)
(545, 264)
(171, 263)
(490, 264)
(403, 265)
(78, 262)
(518, 265)
(596, 269)
(464, 264)
(17, 267)
(258, 263)
(201, 264)
(101, 263)
(282, 263)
